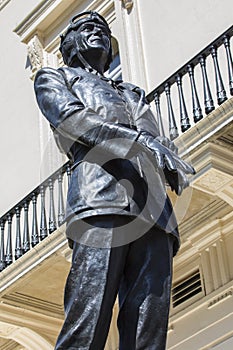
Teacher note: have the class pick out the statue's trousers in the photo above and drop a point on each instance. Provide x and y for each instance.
(140, 271)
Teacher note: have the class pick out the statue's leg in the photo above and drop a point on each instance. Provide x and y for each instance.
(145, 292)
(91, 289)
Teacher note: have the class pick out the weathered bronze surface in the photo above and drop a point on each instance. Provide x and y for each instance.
(120, 221)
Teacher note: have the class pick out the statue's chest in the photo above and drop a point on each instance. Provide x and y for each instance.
(109, 102)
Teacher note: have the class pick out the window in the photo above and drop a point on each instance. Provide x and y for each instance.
(187, 288)
(114, 71)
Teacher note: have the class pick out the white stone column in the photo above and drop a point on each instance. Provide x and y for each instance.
(131, 43)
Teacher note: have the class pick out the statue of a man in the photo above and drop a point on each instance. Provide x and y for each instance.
(120, 222)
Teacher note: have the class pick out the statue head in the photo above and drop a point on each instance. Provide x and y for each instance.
(87, 32)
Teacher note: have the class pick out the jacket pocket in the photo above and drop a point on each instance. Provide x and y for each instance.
(98, 188)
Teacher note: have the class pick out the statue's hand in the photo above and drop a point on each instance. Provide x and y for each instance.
(173, 167)
(167, 143)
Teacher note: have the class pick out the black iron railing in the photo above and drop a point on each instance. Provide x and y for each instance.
(40, 215)
(171, 95)
(206, 66)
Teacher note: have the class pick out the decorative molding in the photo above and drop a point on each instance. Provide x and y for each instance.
(35, 54)
(33, 16)
(207, 129)
(6, 329)
(219, 298)
(39, 322)
(3, 3)
(9, 344)
(127, 4)
(32, 303)
(213, 163)
(227, 194)
(215, 266)
(212, 181)
(204, 223)
(212, 155)
(24, 336)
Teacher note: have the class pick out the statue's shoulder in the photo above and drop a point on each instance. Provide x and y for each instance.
(63, 75)
(61, 71)
(46, 71)
(47, 74)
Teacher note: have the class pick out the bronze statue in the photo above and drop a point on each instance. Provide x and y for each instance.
(120, 222)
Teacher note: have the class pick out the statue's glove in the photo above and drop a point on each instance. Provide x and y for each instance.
(174, 168)
(167, 143)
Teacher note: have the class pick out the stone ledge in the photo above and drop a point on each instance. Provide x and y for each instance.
(207, 129)
(50, 245)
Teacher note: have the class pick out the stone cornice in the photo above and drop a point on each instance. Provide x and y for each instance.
(49, 11)
(204, 228)
(212, 155)
(33, 17)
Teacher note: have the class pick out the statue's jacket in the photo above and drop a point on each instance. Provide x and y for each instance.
(96, 123)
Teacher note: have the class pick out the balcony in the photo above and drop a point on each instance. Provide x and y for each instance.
(194, 108)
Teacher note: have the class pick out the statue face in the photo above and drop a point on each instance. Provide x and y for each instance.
(92, 36)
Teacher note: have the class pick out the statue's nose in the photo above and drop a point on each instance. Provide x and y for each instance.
(97, 30)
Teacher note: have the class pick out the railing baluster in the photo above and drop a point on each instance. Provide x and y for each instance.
(35, 235)
(26, 235)
(197, 112)
(221, 93)
(9, 255)
(173, 131)
(208, 101)
(52, 217)
(31, 237)
(68, 172)
(2, 247)
(226, 41)
(43, 221)
(184, 119)
(61, 210)
(159, 116)
(18, 241)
